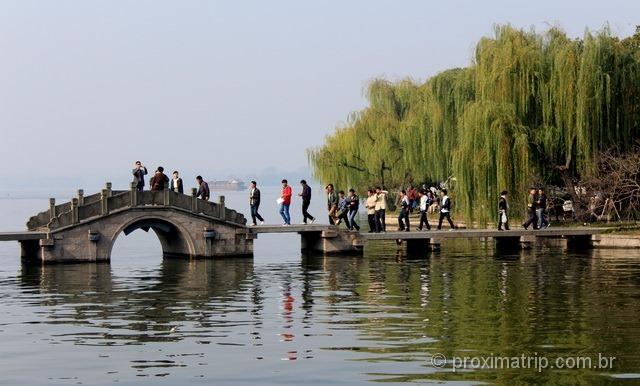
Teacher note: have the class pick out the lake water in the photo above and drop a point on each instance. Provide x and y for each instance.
(281, 318)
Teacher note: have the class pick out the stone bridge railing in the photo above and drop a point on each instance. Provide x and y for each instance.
(83, 208)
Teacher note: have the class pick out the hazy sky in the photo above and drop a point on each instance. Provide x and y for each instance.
(87, 87)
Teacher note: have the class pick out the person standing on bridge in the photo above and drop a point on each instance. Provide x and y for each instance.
(285, 202)
(381, 208)
(503, 211)
(306, 201)
(203, 189)
(176, 183)
(332, 203)
(139, 171)
(371, 210)
(254, 203)
(445, 210)
(159, 181)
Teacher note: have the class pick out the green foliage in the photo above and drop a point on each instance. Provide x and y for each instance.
(529, 104)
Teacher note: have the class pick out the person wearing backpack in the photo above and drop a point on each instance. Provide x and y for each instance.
(354, 203)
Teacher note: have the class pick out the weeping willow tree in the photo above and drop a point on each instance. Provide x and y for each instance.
(531, 106)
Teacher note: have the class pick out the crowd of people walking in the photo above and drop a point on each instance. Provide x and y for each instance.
(343, 207)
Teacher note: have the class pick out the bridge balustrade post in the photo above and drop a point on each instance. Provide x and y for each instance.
(80, 197)
(104, 199)
(52, 208)
(167, 197)
(194, 200)
(74, 211)
(107, 186)
(223, 210)
(134, 193)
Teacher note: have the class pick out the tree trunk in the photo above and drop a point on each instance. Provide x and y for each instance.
(579, 206)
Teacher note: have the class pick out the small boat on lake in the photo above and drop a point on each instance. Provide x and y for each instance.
(231, 185)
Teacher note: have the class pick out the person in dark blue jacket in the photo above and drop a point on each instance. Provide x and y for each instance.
(139, 171)
(306, 201)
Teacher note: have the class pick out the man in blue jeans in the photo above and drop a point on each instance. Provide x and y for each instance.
(343, 210)
(285, 202)
(354, 203)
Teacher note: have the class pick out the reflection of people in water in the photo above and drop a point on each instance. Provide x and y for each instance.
(287, 313)
(287, 306)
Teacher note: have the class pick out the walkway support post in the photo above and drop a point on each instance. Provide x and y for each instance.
(579, 242)
(418, 247)
(108, 186)
(80, 197)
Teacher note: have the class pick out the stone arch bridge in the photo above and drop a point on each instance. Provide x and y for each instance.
(86, 228)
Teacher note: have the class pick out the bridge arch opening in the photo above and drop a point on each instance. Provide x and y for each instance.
(174, 240)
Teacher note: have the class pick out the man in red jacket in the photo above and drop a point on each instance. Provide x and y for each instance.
(285, 202)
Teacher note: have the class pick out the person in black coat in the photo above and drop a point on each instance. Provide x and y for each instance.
(445, 210)
(176, 183)
(139, 171)
(306, 201)
(254, 203)
(503, 211)
(354, 203)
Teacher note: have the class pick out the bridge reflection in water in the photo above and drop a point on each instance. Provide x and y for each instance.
(388, 311)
